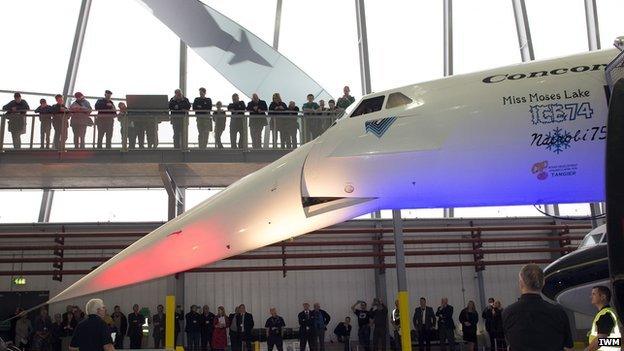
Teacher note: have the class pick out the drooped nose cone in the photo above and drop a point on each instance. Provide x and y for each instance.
(262, 208)
(569, 279)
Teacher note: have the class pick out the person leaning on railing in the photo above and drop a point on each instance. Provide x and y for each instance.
(179, 106)
(60, 118)
(309, 120)
(291, 126)
(219, 119)
(257, 108)
(45, 119)
(278, 120)
(237, 110)
(105, 119)
(80, 119)
(16, 114)
(202, 106)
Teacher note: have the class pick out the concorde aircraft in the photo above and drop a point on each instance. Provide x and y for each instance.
(531, 133)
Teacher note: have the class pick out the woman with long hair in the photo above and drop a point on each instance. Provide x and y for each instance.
(468, 318)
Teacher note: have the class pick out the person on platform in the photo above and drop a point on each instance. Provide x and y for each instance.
(532, 323)
(469, 317)
(605, 323)
(80, 119)
(92, 334)
(219, 119)
(321, 320)
(278, 120)
(159, 322)
(16, 115)
(244, 326)
(446, 326)
(257, 120)
(343, 333)
(424, 322)
(57, 333)
(179, 107)
(364, 324)
(274, 327)
(219, 334)
(179, 317)
(135, 327)
(292, 125)
(346, 99)
(202, 106)
(311, 121)
(206, 327)
(45, 119)
(237, 110)
(379, 317)
(192, 328)
(306, 325)
(60, 122)
(43, 331)
(120, 327)
(105, 119)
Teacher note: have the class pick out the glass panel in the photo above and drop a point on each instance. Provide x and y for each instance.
(404, 42)
(497, 211)
(38, 36)
(484, 35)
(126, 205)
(591, 240)
(610, 21)
(128, 51)
(322, 42)
(20, 206)
(397, 99)
(194, 197)
(557, 27)
(369, 106)
(576, 210)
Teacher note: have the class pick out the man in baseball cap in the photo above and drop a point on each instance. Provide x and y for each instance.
(105, 119)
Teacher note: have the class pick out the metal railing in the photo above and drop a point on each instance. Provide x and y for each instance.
(162, 129)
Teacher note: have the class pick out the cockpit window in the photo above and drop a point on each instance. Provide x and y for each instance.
(591, 240)
(397, 99)
(370, 105)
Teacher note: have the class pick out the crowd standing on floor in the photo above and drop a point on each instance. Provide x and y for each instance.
(528, 324)
(141, 128)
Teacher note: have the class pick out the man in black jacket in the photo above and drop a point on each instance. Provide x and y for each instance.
(60, 119)
(206, 327)
(192, 328)
(120, 324)
(274, 327)
(257, 119)
(321, 320)
(45, 118)
(424, 321)
(446, 326)
(364, 324)
(237, 110)
(343, 332)
(306, 325)
(179, 106)
(135, 329)
(532, 323)
(244, 325)
(105, 119)
(487, 318)
(379, 316)
(16, 114)
(202, 106)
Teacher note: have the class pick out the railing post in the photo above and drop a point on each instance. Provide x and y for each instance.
(245, 126)
(64, 127)
(274, 125)
(2, 123)
(185, 134)
(32, 132)
(94, 132)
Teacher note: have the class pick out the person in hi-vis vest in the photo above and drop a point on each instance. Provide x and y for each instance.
(605, 325)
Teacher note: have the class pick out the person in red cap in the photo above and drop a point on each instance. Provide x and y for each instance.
(80, 109)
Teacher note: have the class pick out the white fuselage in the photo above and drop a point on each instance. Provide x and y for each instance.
(478, 139)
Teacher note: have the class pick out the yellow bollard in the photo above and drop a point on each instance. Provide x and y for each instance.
(256, 345)
(169, 325)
